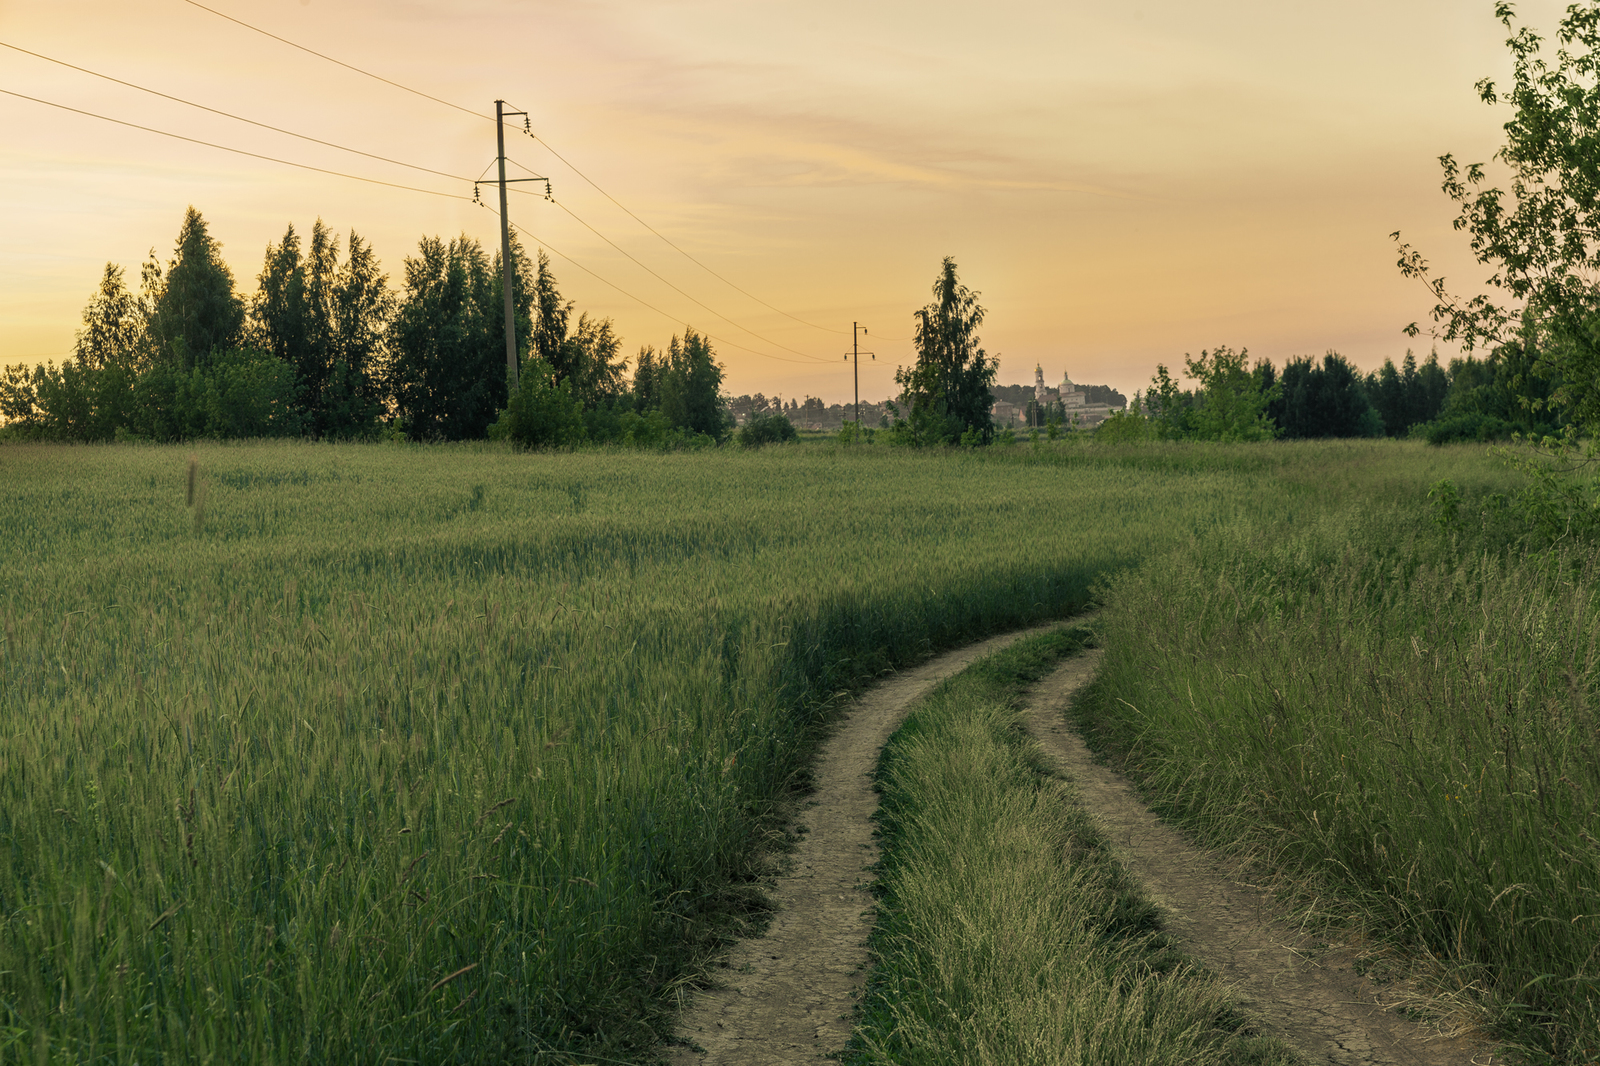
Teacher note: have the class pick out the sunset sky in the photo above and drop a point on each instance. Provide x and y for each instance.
(1123, 183)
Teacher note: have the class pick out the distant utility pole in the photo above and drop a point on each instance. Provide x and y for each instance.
(857, 330)
(508, 271)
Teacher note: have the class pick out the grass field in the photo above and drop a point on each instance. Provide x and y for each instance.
(372, 754)
(380, 753)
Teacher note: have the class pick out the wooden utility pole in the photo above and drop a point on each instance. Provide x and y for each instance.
(857, 330)
(508, 273)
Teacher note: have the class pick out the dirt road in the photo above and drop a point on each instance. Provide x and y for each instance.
(789, 995)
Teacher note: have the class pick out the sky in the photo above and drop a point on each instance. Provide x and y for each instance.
(1123, 184)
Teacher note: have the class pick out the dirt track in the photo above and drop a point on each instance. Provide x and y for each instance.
(789, 995)
(1297, 986)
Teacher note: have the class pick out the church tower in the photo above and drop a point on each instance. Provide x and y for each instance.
(1071, 395)
(1038, 384)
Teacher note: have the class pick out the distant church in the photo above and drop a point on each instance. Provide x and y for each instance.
(1067, 394)
(1073, 400)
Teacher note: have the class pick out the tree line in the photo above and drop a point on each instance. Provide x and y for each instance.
(1471, 399)
(326, 348)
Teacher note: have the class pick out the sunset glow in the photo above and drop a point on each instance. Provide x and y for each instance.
(1123, 184)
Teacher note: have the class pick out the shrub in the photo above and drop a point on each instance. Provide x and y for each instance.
(767, 429)
(541, 413)
(1471, 426)
(1120, 427)
(245, 392)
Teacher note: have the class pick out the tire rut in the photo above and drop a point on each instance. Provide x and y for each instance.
(790, 994)
(1295, 985)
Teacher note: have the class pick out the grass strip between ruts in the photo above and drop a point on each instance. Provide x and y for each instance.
(1007, 932)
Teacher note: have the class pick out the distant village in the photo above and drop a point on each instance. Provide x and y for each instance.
(1019, 406)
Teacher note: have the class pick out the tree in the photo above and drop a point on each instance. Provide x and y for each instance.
(523, 305)
(445, 375)
(691, 387)
(949, 388)
(1427, 387)
(1406, 395)
(326, 321)
(1171, 407)
(362, 307)
(113, 325)
(1387, 392)
(195, 312)
(647, 380)
(593, 366)
(1498, 388)
(282, 316)
(1327, 400)
(1540, 239)
(551, 315)
(1231, 404)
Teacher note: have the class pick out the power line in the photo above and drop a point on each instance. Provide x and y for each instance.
(337, 62)
(253, 122)
(374, 181)
(236, 151)
(675, 288)
(670, 244)
(226, 114)
(639, 300)
(384, 159)
(547, 146)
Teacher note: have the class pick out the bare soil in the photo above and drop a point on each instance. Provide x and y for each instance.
(788, 996)
(1296, 984)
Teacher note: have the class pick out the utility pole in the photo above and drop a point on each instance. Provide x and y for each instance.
(508, 271)
(857, 330)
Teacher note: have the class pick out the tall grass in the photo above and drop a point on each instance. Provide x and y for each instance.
(1407, 720)
(452, 755)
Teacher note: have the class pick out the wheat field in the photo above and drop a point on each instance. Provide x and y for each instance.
(369, 754)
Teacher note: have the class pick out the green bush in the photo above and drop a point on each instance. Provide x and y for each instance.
(767, 429)
(542, 413)
(245, 392)
(1123, 426)
(855, 433)
(1468, 427)
(250, 393)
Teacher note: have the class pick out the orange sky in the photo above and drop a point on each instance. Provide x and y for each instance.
(1122, 186)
